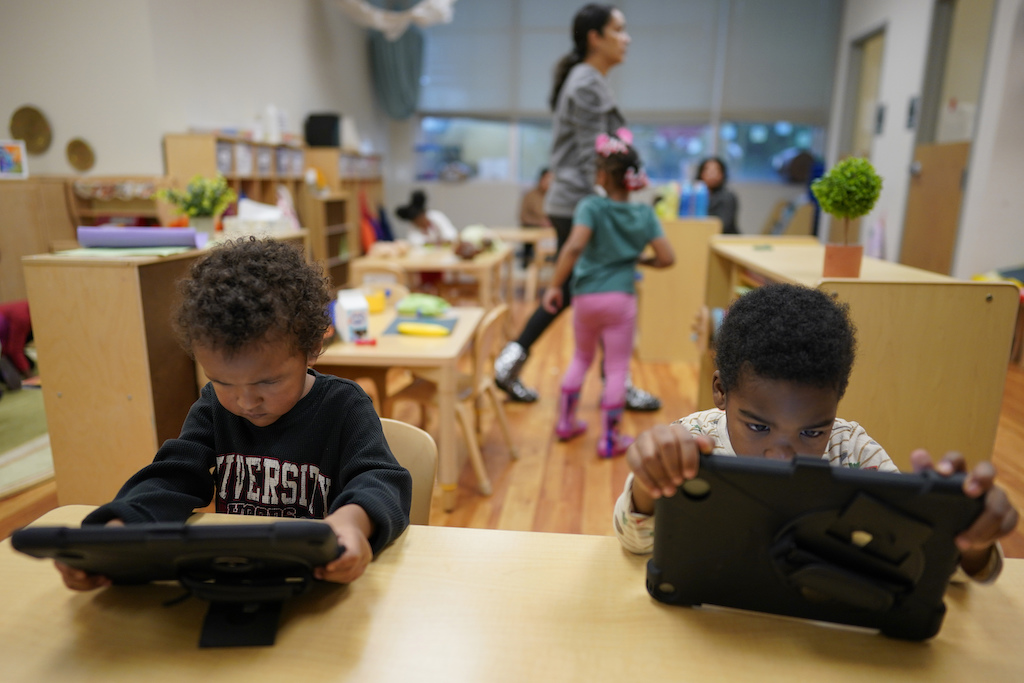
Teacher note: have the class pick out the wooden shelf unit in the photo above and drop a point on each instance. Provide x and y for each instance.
(334, 219)
(665, 337)
(334, 240)
(932, 351)
(91, 198)
(253, 169)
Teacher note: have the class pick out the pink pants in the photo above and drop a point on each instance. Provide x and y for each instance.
(608, 317)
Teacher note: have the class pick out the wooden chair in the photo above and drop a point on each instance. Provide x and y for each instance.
(382, 274)
(471, 389)
(416, 451)
(794, 217)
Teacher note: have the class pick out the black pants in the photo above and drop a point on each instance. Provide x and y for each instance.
(540, 319)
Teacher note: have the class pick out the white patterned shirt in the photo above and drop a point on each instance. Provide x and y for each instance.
(848, 446)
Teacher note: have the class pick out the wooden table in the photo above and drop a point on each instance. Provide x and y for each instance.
(931, 350)
(534, 236)
(485, 267)
(453, 605)
(435, 358)
(116, 384)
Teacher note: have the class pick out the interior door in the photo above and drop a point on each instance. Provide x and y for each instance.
(949, 104)
(933, 205)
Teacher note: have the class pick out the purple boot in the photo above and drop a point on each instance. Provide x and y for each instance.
(568, 426)
(612, 443)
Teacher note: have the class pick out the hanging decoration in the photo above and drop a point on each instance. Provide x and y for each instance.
(394, 24)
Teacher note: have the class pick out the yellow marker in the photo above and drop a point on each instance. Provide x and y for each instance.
(423, 329)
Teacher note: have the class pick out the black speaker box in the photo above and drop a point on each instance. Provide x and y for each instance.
(323, 130)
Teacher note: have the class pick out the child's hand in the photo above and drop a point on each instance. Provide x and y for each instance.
(996, 520)
(80, 580)
(552, 299)
(662, 458)
(353, 528)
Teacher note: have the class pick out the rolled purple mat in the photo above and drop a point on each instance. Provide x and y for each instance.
(107, 236)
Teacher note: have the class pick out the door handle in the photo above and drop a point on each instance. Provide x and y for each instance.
(915, 168)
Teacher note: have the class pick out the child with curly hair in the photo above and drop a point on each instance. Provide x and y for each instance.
(601, 254)
(268, 436)
(784, 354)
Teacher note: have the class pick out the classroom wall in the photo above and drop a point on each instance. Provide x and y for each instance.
(89, 67)
(990, 227)
(121, 73)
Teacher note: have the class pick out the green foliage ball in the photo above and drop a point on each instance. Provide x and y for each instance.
(849, 190)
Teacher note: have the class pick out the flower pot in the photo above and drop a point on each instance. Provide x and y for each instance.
(843, 260)
(203, 224)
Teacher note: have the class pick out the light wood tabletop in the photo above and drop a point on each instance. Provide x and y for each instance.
(453, 604)
(486, 266)
(801, 261)
(435, 358)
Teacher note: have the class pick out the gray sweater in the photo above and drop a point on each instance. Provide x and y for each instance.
(586, 108)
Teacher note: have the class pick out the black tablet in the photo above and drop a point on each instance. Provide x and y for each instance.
(139, 553)
(803, 539)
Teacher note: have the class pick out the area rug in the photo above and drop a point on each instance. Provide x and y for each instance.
(25, 466)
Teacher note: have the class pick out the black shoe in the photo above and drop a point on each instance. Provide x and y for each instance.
(517, 391)
(640, 400)
(506, 373)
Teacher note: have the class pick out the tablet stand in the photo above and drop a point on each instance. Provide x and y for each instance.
(866, 557)
(245, 607)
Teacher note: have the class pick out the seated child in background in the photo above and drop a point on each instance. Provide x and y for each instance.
(608, 235)
(430, 226)
(784, 355)
(531, 210)
(268, 436)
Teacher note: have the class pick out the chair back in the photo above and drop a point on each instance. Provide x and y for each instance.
(416, 451)
(382, 274)
(490, 337)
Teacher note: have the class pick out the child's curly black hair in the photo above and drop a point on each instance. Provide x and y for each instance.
(250, 290)
(787, 332)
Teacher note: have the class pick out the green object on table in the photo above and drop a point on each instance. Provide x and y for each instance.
(422, 304)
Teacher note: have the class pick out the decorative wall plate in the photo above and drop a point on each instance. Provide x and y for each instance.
(29, 124)
(80, 154)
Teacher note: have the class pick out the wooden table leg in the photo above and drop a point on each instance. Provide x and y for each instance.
(447, 452)
(486, 283)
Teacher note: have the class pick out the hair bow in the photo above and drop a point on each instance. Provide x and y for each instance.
(635, 180)
(606, 145)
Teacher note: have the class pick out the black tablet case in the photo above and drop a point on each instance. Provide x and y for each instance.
(803, 539)
(244, 570)
(141, 553)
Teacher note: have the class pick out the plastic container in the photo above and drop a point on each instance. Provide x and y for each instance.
(685, 200)
(700, 199)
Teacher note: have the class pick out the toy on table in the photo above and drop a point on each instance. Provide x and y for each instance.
(422, 305)
(421, 329)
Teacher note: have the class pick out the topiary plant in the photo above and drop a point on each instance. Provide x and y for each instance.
(849, 190)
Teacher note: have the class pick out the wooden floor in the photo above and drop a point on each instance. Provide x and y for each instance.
(565, 487)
